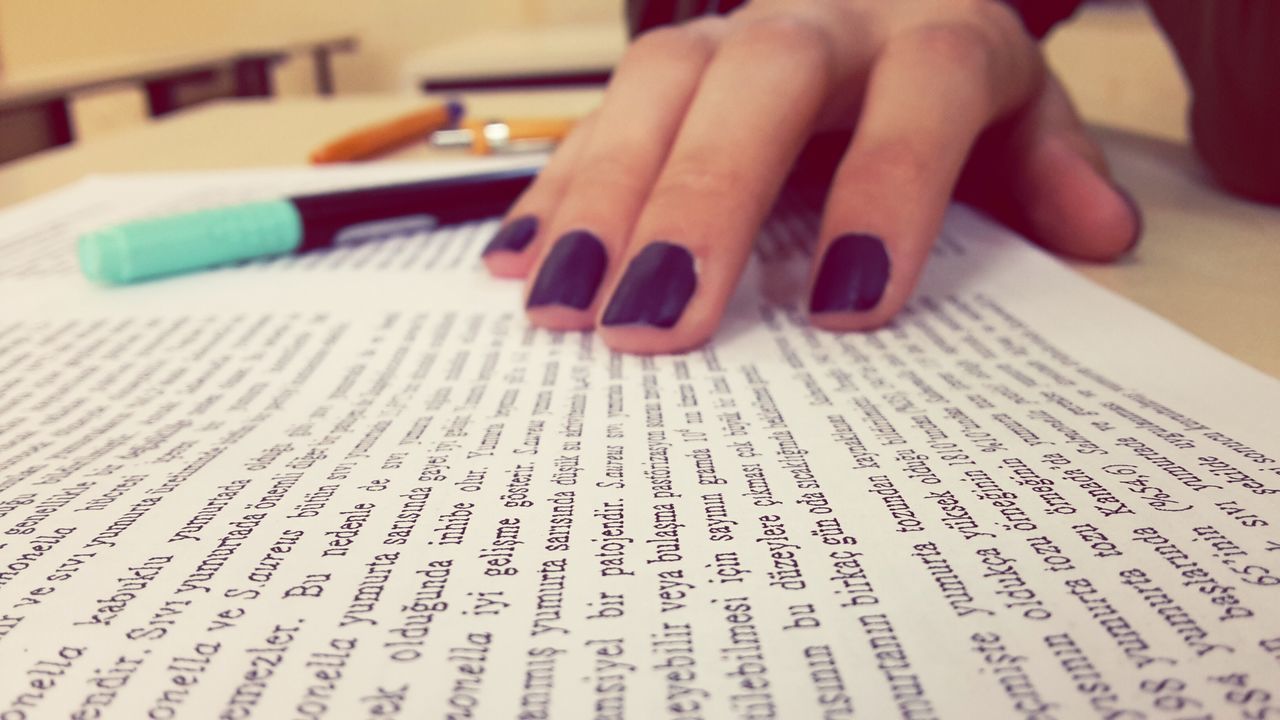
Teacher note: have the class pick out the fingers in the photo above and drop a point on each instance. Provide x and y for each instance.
(614, 171)
(642, 222)
(742, 132)
(510, 251)
(1044, 176)
(929, 96)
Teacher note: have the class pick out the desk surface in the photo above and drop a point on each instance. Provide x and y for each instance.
(1209, 262)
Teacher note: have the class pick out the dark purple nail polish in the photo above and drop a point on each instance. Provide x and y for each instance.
(571, 272)
(853, 275)
(514, 236)
(655, 288)
(1138, 225)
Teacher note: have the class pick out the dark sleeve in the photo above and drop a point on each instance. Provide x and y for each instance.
(644, 15)
(1037, 15)
(1230, 54)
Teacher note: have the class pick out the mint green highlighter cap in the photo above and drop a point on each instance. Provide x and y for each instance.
(207, 238)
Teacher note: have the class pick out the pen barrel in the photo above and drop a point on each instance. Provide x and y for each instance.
(540, 128)
(376, 139)
(446, 201)
(157, 247)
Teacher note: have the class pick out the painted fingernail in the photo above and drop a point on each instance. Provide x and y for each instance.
(655, 288)
(1138, 223)
(514, 236)
(853, 275)
(571, 273)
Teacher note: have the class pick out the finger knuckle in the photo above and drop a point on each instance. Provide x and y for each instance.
(610, 174)
(960, 46)
(967, 8)
(788, 36)
(890, 165)
(998, 17)
(671, 43)
(698, 178)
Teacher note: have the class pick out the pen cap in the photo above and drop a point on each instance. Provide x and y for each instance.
(207, 238)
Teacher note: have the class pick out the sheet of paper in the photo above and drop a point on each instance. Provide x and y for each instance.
(355, 484)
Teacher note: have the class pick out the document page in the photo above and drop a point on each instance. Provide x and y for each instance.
(356, 484)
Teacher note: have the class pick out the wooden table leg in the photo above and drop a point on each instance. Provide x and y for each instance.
(323, 60)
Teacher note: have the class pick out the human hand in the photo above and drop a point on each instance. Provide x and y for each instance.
(642, 221)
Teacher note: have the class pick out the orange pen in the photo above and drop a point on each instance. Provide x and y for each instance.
(386, 136)
(487, 136)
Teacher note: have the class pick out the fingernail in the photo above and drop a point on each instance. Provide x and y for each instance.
(853, 275)
(571, 273)
(514, 236)
(655, 288)
(1138, 222)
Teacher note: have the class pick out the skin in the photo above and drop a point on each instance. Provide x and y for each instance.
(948, 97)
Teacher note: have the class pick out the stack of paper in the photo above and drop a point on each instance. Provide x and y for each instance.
(356, 484)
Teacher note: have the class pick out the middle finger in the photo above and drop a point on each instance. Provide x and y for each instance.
(634, 129)
(753, 112)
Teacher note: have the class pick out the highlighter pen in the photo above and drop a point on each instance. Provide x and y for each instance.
(386, 136)
(208, 238)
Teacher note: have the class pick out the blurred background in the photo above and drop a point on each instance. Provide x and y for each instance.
(107, 52)
(75, 70)
(36, 34)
